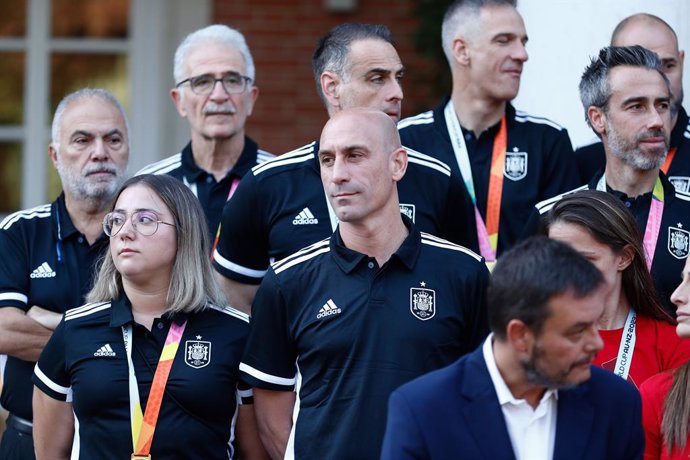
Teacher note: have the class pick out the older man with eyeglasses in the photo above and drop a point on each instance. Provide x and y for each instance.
(214, 75)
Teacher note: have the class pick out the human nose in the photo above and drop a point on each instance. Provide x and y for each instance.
(218, 91)
(339, 171)
(520, 52)
(100, 151)
(682, 293)
(656, 119)
(594, 343)
(395, 91)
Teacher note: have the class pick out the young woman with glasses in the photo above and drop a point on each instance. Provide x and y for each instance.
(149, 368)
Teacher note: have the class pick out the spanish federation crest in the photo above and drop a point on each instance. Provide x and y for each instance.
(408, 210)
(515, 167)
(197, 353)
(423, 302)
(678, 242)
(680, 183)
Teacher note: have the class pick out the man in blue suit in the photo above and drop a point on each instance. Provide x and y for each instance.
(530, 392)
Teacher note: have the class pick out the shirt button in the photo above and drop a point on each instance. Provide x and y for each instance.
(209, 179)
(468, 136)
(628, 204)
(160, 326)
(370, 265)
(80, 239)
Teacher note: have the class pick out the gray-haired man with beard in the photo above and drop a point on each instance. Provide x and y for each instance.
(49, 252)
(627, 101)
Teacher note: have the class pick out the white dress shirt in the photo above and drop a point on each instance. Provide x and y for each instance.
(532, 431)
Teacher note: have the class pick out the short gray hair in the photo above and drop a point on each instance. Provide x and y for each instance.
(333, 49)
(595, 88)
(80, 94)
(462, 15)
(217, 33)
(192, 284)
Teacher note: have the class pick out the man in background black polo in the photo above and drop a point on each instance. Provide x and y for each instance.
(49, 252)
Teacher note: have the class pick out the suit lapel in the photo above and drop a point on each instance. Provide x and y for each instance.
(482, 413)
(575, 414)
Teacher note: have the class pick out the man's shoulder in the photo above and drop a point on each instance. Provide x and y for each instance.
(444, 249)
(419, 162)
(545, 206)
(285, 164)
(536, 122)
(31, 217)
(424, 120)
(309, 258)
(164, 166)
(606, 387)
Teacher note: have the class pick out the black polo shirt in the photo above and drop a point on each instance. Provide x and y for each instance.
(673, 245)
(85, 363)
(344, 333)
(46, 262)
(542, 146)
(211, 194)
(281, 207)
(591, 158)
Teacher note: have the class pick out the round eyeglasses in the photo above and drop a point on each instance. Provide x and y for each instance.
(232, 82)
(144, 222)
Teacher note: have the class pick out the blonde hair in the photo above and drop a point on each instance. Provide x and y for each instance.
(192, 284)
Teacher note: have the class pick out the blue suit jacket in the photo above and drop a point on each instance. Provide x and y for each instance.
(453, 413)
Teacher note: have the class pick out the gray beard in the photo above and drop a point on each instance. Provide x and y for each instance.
(630, 152)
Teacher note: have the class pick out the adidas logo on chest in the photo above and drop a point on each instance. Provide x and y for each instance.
(43, 271)
(328, 309)
(105, 351)
(305, 217)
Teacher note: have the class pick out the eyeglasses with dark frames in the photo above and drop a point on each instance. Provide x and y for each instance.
(233, 83)
(143, 221)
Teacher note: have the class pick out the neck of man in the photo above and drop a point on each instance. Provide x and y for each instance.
(378, 237)
(622, 177)
(513, 374)
(147, 303)
(87, 215)
(476, 113)
(217, 156)
(615, 311)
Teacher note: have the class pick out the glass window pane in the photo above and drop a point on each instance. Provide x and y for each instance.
(13, 18)
(70, 72)
(10, 177)
(90, 18)
(11, 88)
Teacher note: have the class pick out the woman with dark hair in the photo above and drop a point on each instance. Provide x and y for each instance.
(666, 397)
(639, 336)
(149, 368)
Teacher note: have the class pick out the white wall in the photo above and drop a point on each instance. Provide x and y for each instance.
(564, 34)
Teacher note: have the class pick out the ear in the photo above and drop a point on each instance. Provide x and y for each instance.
(398, 161)
(520, 336)
(52, 153)
(330, 85)
(253, 94)
(176, 97)
(681, 58)
(597, 118)
(627, 255)
(461, 52)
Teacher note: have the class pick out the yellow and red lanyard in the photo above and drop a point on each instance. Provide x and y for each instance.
(487, 233)
(144, 426)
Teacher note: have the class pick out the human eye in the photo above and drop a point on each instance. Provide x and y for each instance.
(116, 219)
(145, 218)
(399, 76)
(663, 106)
(377, 79)
(115, 140)
(233, 79)
(326, 160)
(201, 83)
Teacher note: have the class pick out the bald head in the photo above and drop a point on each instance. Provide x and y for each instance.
(361, 162)
(656, 35)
